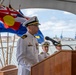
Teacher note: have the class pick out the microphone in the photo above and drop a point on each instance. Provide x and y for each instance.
(55, 43)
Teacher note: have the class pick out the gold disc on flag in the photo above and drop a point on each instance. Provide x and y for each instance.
(9, 20)
(37, 37)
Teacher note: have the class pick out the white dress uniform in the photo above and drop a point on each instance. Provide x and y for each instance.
(27, 53)
(43, 55)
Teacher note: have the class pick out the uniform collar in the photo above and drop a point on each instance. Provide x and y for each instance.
(30, 34)
(45, 52)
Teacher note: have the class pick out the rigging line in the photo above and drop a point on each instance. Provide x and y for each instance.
(9, 1)
(19, 9)
(7, 49)
(19, 6)
(1, 62)
(10, 54)
(12, 48)
(2, 49)
(2, 2)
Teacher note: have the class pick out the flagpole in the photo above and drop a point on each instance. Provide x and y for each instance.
(14, 9)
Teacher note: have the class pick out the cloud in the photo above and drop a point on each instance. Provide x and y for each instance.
(58, 25)
(67, 13)
(50, 22)
(32, 12)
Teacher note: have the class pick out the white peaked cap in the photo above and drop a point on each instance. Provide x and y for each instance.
(32, 21)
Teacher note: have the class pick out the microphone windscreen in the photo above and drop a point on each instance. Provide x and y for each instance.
(47, 38)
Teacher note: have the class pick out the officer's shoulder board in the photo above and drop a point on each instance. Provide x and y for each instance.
(24, 36)
(48, 53)
(42, 53)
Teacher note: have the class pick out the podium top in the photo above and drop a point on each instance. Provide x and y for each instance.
(56, 53)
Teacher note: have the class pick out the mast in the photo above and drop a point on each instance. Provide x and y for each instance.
(61, 35)
(75, 35)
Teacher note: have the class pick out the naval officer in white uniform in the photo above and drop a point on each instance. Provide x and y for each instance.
(27, 47)
(44, 54)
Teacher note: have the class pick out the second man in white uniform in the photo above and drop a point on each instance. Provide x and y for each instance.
(44, 54)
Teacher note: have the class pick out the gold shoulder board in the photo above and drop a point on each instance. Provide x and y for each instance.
(24, 36)
(41, 53)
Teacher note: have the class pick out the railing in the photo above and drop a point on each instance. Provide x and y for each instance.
(8, 49)
(9, 70)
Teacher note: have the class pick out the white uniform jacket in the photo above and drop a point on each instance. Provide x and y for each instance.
(27, 53)
(43, 55)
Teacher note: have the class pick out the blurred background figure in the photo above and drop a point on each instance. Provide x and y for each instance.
(45, 48)
(58, 47)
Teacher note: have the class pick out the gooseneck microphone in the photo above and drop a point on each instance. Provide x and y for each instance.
(55, 43)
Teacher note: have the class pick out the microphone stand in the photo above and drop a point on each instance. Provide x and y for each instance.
(68, 46)
(55, 42)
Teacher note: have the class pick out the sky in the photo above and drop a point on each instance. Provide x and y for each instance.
(54, 22)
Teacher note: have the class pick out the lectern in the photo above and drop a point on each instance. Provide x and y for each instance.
(60, 63)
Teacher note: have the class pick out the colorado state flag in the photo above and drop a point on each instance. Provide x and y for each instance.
(12, 20)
